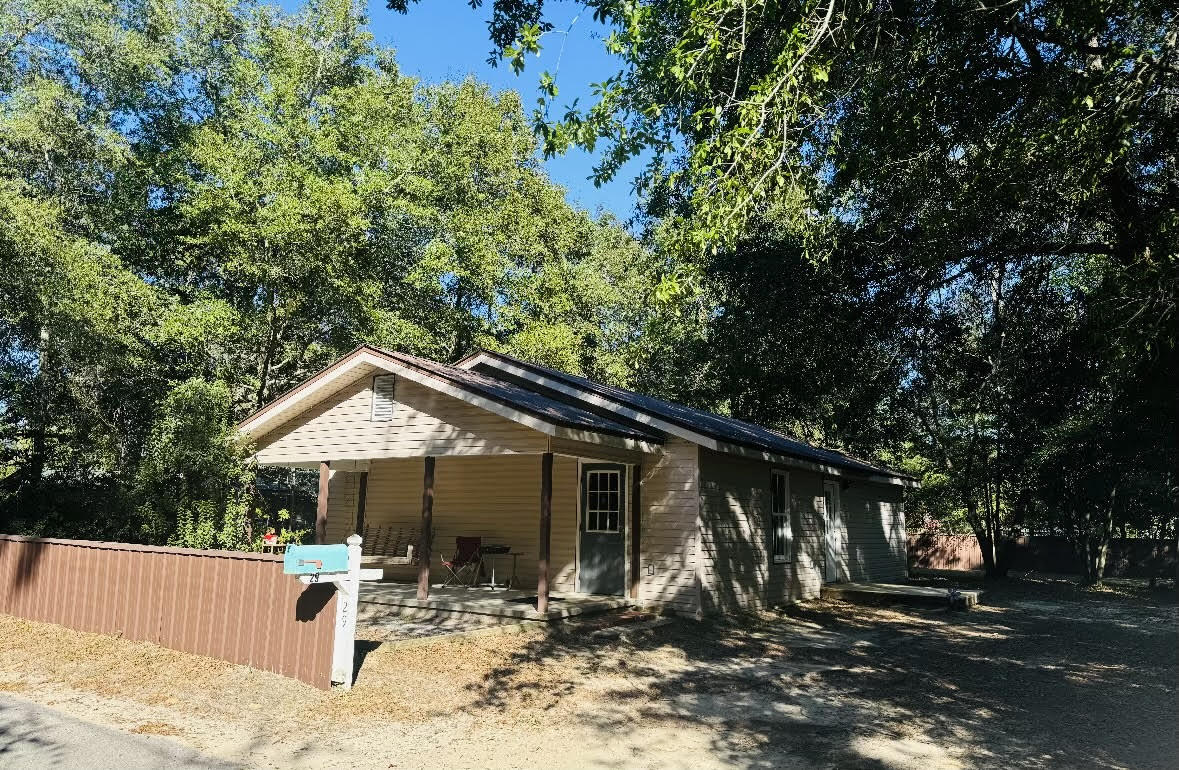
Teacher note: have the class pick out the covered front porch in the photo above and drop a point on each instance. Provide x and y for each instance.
(432, 453)
(566, 522)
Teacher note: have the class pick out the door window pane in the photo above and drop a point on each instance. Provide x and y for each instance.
(603, 501)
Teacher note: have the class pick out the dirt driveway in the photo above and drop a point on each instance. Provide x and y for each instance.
(1043, 675)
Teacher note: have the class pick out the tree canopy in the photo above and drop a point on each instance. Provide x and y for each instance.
(939, 229)
(206, 200)
(935, 232)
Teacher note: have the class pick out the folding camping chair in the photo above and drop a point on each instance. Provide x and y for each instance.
(466, 563)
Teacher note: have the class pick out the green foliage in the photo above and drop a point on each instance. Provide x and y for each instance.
(286, 535)
(745, 106)
(195, 471)
(204, 201)
(942, 229)
(196, 526)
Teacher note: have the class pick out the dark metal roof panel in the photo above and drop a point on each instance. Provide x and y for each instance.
(537, 404)
(714, 426)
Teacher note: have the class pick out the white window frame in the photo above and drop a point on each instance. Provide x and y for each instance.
(783, 516)
(620, 473)
(378, 393)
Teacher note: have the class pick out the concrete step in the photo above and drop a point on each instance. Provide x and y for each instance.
(898, 593)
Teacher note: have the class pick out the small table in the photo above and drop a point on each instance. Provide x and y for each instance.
(491, 557)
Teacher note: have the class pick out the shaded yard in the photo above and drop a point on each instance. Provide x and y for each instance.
(1043, 674)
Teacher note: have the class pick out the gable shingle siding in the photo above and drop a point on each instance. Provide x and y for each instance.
(424, 422)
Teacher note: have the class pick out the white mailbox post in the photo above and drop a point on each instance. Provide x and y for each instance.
(347, 595)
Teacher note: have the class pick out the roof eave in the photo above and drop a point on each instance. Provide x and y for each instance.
(268, 417)
(677, 427)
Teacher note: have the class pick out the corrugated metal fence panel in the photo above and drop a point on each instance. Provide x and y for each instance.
(235, 606)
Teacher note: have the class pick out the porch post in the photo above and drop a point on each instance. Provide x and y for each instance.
(635, 528)
(546, 522)
(427, 534)
(361, 494)
(321, 506)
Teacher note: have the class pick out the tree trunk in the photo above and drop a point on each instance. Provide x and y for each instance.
(268, 352)
(1097, 541)
(987, 546)
(986, 531)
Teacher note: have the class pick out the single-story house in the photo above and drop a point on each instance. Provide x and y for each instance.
(603, 490)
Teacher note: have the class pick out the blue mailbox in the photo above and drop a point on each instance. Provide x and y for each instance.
(313, 559)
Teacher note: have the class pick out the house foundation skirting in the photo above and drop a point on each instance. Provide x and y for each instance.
(400, 599)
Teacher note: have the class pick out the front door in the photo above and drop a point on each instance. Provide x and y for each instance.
(832, 530)
(602, 547)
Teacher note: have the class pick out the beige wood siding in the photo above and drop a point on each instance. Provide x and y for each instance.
(873, 540)
(806, 490)
(343, 489)
(596, 452)
(670, 503)
(738, 571)
(496, 497)
(425, 422)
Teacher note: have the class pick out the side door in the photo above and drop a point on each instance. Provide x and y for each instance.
(832, 532)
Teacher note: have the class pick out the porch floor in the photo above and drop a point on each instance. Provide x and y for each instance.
(897, 592)
(498, 603)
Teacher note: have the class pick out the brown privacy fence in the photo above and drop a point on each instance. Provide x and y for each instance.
(235, 606)
(1128, 557)
(932, 551)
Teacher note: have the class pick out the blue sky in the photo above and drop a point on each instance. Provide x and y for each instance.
(444, 39)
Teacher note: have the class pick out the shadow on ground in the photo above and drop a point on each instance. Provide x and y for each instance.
(1042, 675)
(23, 737)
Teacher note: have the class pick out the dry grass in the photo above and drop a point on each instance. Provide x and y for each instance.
(1028, 674)
(401, 684)
(141, 672)
(157, 728)
(424, 681)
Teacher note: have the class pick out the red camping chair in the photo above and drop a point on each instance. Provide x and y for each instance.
(466, 563)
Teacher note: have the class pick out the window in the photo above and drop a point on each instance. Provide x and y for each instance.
(780, 516)
(603, 500)
(383, 397)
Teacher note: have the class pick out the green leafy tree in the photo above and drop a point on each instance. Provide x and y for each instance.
(207, 200)
(195, 470)
(1006, 174)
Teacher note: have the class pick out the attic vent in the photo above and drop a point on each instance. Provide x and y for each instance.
(383, 397)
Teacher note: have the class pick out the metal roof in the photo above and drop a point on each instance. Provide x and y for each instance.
(537, 404)
(715, 426)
